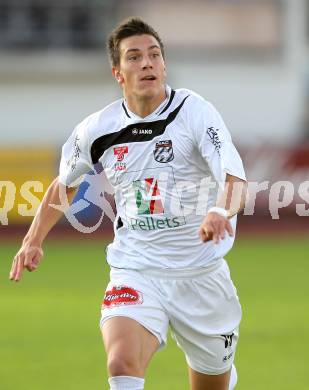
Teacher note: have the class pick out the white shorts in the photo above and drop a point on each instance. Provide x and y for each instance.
(201, 307)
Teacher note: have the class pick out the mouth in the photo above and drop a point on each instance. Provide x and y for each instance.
(149, 78)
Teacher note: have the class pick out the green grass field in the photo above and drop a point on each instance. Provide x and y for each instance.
(50, 339)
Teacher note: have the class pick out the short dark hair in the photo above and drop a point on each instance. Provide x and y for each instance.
(129, 28)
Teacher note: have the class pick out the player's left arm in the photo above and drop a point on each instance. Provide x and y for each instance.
(231, 201)
(213, 140)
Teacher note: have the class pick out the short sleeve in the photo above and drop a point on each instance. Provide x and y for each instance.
(75, 159)
(214, 142)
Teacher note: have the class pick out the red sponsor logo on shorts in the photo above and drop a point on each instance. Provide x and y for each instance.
(122, 295)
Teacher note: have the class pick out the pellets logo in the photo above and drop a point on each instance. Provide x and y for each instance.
(120, 151)
(147, 197)
(151, 202)
(122, 295)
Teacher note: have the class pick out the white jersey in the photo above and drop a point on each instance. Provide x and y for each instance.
(166, 170)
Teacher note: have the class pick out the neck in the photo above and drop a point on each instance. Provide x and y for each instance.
(144, 106)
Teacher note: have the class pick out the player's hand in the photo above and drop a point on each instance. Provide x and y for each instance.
(214, 227)
(29, 257)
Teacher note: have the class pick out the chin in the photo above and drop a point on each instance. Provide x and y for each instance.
(150, 92)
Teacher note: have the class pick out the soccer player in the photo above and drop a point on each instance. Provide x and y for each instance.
(179, 184)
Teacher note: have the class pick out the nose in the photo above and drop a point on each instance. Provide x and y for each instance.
(146, 64)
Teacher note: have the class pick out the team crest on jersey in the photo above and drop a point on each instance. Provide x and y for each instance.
(163, 152)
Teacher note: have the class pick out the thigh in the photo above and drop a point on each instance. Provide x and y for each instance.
(127, 341)
(206, 324)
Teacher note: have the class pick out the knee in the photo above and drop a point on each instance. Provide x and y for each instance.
(120, 364)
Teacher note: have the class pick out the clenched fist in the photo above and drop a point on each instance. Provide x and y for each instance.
(214, 227)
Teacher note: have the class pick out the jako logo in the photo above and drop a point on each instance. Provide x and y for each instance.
(136, 131)
(147, 196)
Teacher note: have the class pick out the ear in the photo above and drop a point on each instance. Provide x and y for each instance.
(165, 72)
(164, 66)
(117, 74)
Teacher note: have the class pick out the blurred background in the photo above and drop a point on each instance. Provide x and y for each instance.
(250, 58)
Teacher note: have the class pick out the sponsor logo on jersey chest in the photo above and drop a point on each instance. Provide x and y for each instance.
(147, 196)
(120, 152)
(149, 208)
(163, 152)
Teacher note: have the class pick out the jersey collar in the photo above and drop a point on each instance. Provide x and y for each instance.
(170, 93)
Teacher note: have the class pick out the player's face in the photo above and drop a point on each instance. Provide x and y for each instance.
(141, 72)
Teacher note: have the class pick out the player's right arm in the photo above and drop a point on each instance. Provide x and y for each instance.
(31, 253)
(75, 163)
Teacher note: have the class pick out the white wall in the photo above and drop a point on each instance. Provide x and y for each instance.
(257, 103)
(40, 113)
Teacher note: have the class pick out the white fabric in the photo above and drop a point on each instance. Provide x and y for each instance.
(126, 383)
(201, 307)
(161, 203)
(219, 210)
(233, 378)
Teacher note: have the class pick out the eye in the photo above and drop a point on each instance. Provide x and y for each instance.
(134, 57)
